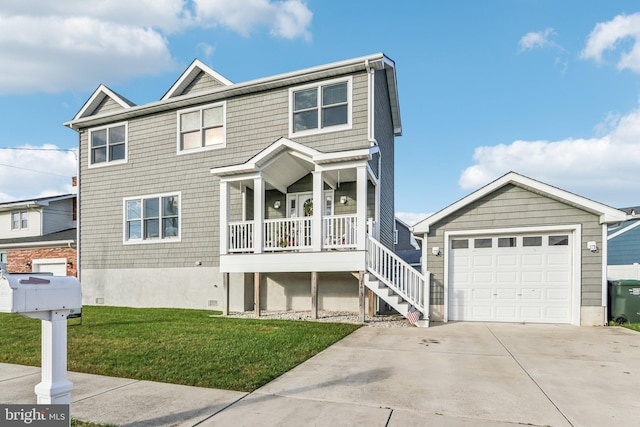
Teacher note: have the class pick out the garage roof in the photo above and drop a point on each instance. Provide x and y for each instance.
(607, 213)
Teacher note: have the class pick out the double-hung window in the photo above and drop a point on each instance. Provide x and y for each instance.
(202, 128)
(152, 218)
(108, 145)
(19, 220)
(323, 107)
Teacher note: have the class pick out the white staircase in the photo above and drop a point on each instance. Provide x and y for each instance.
(396, 282)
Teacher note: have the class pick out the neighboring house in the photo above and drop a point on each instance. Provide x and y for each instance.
(624, 247)
(235, 196)
(519, 250)
(406, 246)
(39, 235)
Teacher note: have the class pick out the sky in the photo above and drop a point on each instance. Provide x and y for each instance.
(549, 89)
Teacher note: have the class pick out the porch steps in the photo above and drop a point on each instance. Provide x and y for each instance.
(396, 282)
(389, 296)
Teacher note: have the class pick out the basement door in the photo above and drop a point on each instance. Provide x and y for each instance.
(511, 278)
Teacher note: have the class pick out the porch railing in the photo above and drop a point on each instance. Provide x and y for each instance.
(241, 236)
(339, 231)
(289, 234)
(405, 280)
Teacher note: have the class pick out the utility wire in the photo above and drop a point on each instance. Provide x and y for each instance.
(36, 171)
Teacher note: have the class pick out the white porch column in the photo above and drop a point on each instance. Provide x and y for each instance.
(224, 217)
(258, 214)
(318, 211)
(361, 206)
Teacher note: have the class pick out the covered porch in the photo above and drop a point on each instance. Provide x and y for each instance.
(292, 209)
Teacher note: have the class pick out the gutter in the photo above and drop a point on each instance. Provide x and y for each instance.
(252, 86)
(41, 244)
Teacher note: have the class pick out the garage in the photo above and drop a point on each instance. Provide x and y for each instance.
(518, 250)
(511, 278)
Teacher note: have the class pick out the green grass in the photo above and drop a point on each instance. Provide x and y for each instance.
(78, 423)
(176, 346)
(632, 326)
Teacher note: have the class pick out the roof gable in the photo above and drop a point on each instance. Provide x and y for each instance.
(103, 100)
(197, 77)
(607, 214)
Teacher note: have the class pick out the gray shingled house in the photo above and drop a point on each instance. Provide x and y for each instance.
(272, 194)
(519, 250)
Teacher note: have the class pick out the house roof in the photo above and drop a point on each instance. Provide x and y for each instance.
(294, 161)
(633, 210)
(191, 73)
(37, 202)
(372, 62)
(607, 214)
(60, 238)
(98, 97)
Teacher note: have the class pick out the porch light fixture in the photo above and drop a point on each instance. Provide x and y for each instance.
(276, 204)
(343, 200)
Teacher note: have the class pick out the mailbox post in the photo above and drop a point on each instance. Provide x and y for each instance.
(50, 299)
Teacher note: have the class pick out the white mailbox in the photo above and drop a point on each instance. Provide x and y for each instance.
(50, 299)
(34, 292)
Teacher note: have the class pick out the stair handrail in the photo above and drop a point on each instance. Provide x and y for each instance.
(397, 274)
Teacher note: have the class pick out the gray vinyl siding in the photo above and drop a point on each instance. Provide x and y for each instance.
(385, 138)
(201, 83)
(625, 248)
(153, 167)
(107, 105)
(513, 206)
(58, 216)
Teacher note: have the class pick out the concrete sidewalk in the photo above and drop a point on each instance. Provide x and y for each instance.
(459, 374)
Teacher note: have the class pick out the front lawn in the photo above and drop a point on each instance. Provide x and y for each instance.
(632, 326)
(176, 346)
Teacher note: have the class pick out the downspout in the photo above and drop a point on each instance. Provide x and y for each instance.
(371, 137)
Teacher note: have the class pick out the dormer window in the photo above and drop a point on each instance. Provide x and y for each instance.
(201, 128)
(108, 145)
(324, 107)
(19, 220)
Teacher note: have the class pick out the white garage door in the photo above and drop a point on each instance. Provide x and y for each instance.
(57, 266)
(511, 278)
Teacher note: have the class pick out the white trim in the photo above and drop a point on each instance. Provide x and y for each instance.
(40, 244)
(190, 73)
(142, 241)
(93, 101)
(202, 148)
(624, 230)
(319, 86)
(576, 257)
(607, 213)
(604, 252)
(108, 162)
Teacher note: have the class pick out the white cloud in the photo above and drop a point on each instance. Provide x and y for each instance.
(287, 19)
(607, 36)
(35, 172)
(604, 168)
(52, 46)
(537, 39)
(411, 218)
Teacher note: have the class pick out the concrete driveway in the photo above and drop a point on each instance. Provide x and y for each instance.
(458, 374)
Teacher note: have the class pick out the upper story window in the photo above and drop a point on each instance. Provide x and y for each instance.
(108, 145)
(323, 107)
(152, 218)
(19, 220)
(202, 128)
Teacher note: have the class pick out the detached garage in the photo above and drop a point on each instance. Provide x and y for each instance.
(518, 250)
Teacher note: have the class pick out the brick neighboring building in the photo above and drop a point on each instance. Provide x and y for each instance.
(39, 235)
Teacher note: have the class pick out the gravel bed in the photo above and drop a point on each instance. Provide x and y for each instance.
(382, 321)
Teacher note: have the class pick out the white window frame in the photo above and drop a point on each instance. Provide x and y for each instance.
(20, 213)
(108, 162)
(142, 240)
(200, 108)
(319, 86)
